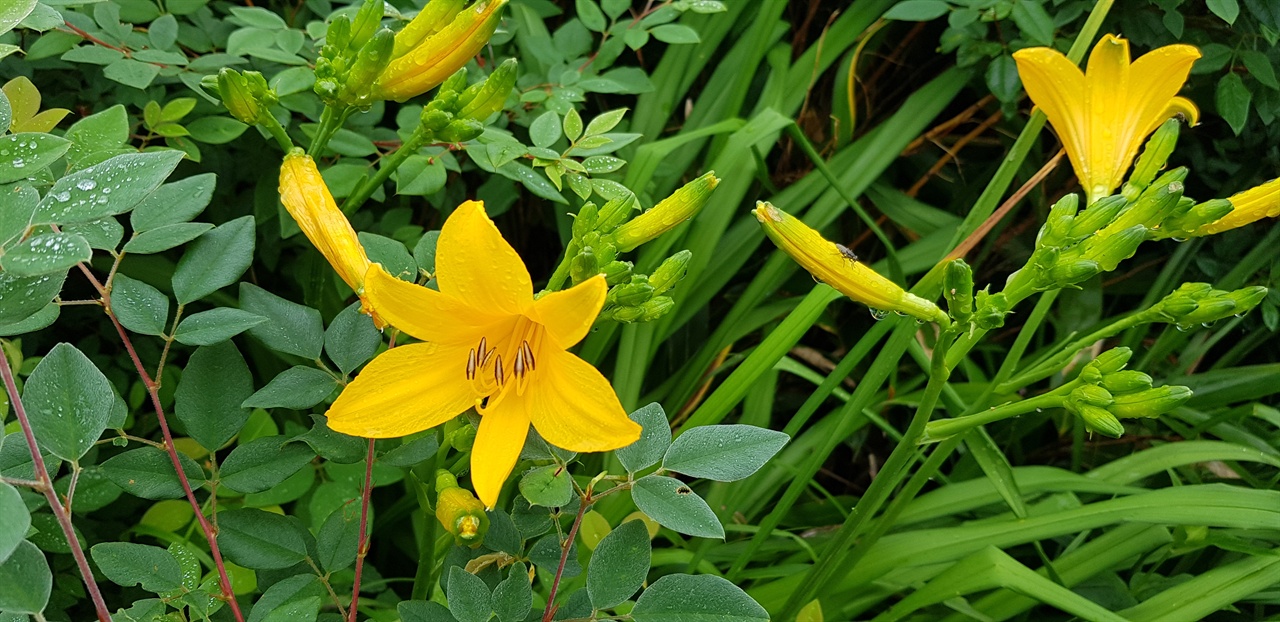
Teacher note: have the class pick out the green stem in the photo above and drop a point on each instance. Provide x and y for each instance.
(331, 120)
(943, 429)
(277, 131)
(891, 254)
(562, 271)
(1056, 362)
(388, 166)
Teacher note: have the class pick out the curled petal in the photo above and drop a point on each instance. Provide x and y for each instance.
(307, 198)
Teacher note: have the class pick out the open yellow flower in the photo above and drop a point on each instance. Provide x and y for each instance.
(1102, 115)
(1249, 206)
(490, 345)
(838, 267)
(307, 198)
(438, 42)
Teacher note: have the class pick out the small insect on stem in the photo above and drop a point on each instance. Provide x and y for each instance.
(846, 252)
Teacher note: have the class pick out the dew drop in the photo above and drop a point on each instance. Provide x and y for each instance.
(86, 184)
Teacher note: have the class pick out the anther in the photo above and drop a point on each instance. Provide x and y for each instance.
(528, 355)
(471, 364)
(497, 370)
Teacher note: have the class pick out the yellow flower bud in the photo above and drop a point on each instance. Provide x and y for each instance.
(673, 210)
(423, 57)
(1249, 206)
(459, 511)
(829, 263)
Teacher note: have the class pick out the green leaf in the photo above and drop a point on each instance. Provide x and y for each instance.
(208, 399)
(1259, 67)
(102, 132)
(549, 486)
(469, 597)
(1228, 10)
(333, 446)
(174, 202)
(166, 237)
(103, 234)
(605, 121)
(141, 308)
(40, 319)
(46, 253)
(619, 565)
(297, 388)
(420, 176)
(392, 254)
(724, 453)
(423, 611)
(263, 462)
(216, 130)
(12, 13)
(129, 564)
(338, 538)
(675, 506)
(22, 297)
(655, 437)
(696, 598)
(17, 206)
(412, 452)
(590, 14)
(290, 327)
(513, 597)
(1233, 99)
(111, 187)
(281, 601)
(1003, 80)
(1035, 22)
(68, 402)
(148, 472)
(24, 155)
(675, 34)
(351, 339)
(917, 10)
(572, 125)
(133, 73)
(215, 326)
(215, 260)
(260, 540)
(545, 130)
(163, 32)
(424, 252)
(25, 580)
(615, 8)
(15, 518)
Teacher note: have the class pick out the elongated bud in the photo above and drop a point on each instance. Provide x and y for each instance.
(670, 272)
(1249, 206)
(1155, 154)
(459, 511)
(367, 21)
(370, 61)
(665, 216)
(1070, 272)
(481, 101)
(957, 289)
(615, 212)
(585, 220)
(418, 67)
(1187, 224)
(460, 131)
(1248, 297)
(1100, 214)
(828, 263)
(1111, 361)
(616, 272)
(337, 38)
(1100, 420)
(632, 294)
(246, 95)
(454, 84)
(1157, 202)
(431, 19)
(1151, 402)
(1110, 250)
(1092, 395)
(1126, 381)
(1210, 309)
(1058, 223)
(647, 312)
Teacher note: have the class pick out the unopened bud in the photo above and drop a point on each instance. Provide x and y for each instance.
(1187, 224)
(632, 294)
(431, 19)
(246, 95)
(585, 220)
(1209, 310)
(957, 289)
(459, 511)
(1151, 402)
(1155, 154)
(616, 272)
(463, 438)
(1100, 420)
(990, 310)
(1110, 250)
(1248, 297)
(584, 265)
(1111, 361)
(615, 212)
(460, 131)
(481, 101)
(670, 272)
(1126, 381)
(374, 55)
(337, 38)
(675, 209)
(367, 21)
(1099, 215)
(454, 84)
(1156, 202)
(1092, 395)
(1058, 222)
(1070, 272)
(656, 308)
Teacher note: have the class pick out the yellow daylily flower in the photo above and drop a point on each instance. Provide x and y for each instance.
(307, 198)
(490, 345)
(838, 267)
(426, 53)
(1102, 115)
(1249, 206)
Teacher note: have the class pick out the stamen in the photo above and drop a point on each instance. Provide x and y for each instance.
(528, 354)
(472, 364)
(497, 371)
(519, 367)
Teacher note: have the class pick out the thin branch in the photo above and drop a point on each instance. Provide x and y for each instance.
(362, 548)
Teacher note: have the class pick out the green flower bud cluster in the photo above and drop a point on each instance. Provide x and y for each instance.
(990, 309)
(1108, 393)
(643, 298)
(1200, 303)
(355, 51)
(457, 113)
(246, 95)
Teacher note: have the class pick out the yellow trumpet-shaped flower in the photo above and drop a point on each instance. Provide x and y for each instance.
(1102, 115)
(836, 266)
(1249, 206)
(490, 345)
(307, 198)
(426, 52)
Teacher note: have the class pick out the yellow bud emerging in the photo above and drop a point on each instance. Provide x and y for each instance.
(426, 53)
(833, 265)
(673, 210)
(459, 511)
(1249, 206)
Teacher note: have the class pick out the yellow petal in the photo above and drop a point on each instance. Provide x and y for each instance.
(1057, 87)
(404, 390)
(431, 61)
(1249, 206)
(474, 263)
(428, 314)
(1109, 112)
(573, 407)
(1156, 79)
(307, 198)
(499, 440)
(568, 315)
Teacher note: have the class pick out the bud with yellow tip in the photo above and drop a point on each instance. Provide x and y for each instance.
(1249, 206)
(424, 56)
(666, 215)
(459, 511)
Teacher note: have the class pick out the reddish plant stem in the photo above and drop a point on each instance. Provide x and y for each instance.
(153, 390)
(583, 504)
(46, 486)
(362, 548)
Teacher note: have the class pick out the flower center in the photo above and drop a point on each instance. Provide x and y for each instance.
(504, 364)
